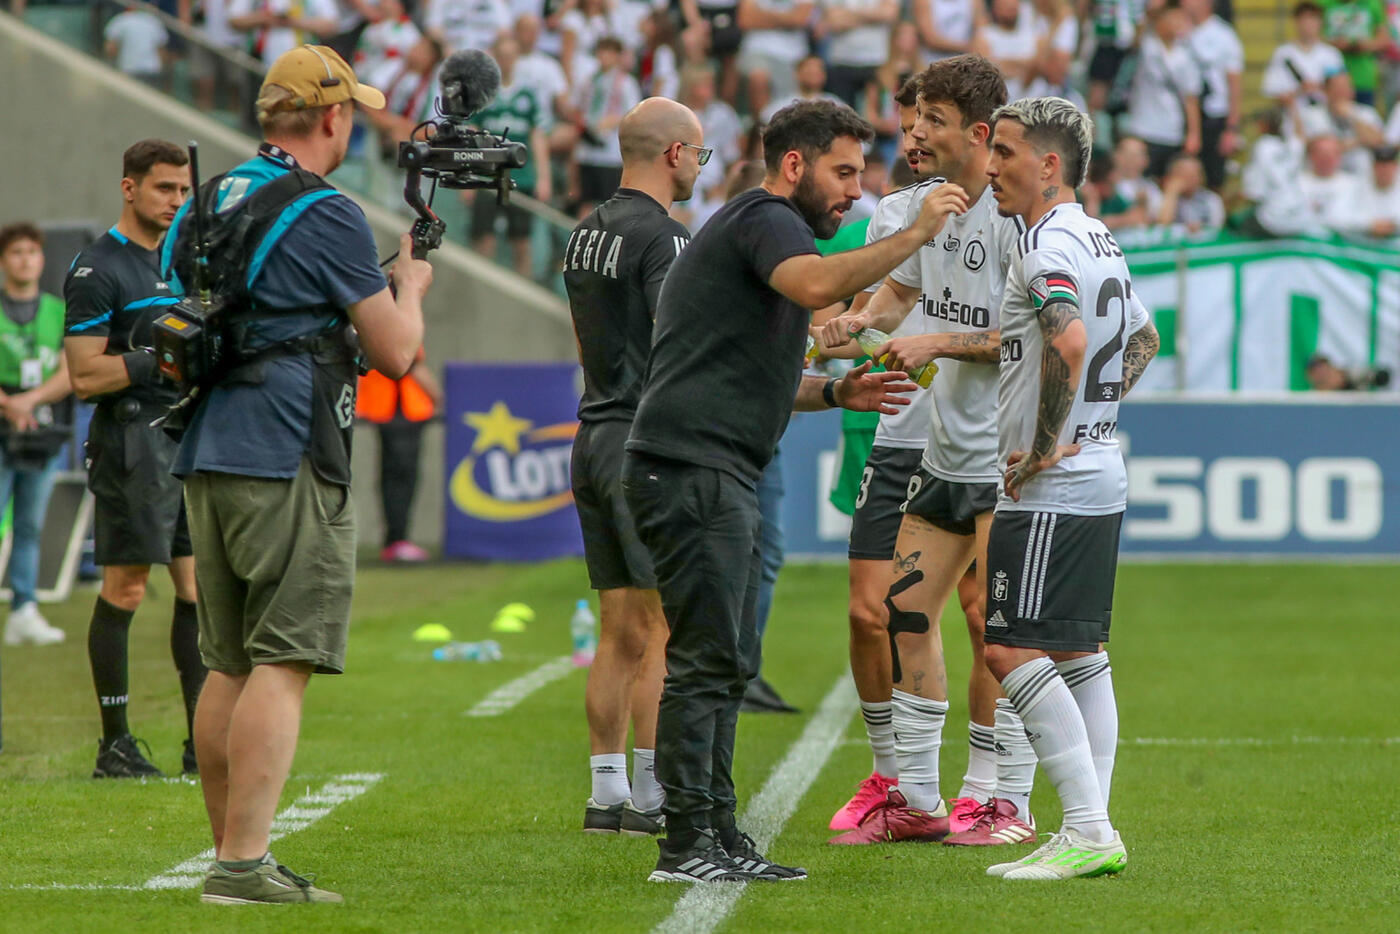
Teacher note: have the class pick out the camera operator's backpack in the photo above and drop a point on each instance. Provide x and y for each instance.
(199, 342)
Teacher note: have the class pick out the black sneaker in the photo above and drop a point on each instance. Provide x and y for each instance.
(704, 860)
(639, 823)
(120, 758)
(747, 858)
(600, 819)
(759, 697)
(189, 765)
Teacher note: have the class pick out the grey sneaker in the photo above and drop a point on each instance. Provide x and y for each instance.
(269, 883)
(638, 823)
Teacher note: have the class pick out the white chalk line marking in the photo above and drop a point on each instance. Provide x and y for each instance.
(511, 693)
(1223, 741)
(300, 814)
(706, 905)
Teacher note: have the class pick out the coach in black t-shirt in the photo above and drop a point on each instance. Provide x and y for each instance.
(724, 373)
(614, 264)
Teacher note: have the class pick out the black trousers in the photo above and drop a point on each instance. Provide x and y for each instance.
(1212, 128)
(400, 442)
(702, 527)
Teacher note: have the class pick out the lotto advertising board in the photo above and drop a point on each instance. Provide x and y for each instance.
(1299, 476)
(510, 433)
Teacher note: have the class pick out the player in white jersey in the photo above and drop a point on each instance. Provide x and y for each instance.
(884, 485)
(1074, 340)
(955, 280)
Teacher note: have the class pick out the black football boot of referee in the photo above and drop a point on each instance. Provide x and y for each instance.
(121, 758)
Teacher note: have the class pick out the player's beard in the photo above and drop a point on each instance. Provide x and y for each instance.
(815, 209)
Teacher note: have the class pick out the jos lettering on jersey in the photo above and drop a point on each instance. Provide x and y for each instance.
(956, 312)
(594, 250)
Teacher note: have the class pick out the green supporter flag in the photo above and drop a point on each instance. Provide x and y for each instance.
(857, 428)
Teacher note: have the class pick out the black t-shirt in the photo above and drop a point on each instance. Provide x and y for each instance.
(727, 356)
(613, 268)
(114, 290)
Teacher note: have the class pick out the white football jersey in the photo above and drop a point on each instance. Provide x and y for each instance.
(961, 272)
(908, 428)
(1068, 256)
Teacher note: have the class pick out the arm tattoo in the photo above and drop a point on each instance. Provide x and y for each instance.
(1141, 348)
(976, 347)
(1056, 393)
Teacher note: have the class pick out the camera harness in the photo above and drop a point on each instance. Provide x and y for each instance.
(208, 338)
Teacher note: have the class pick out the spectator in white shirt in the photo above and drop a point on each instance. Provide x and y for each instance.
(775, 40)
(1010, 39)
(1299, 68)
(466, 24)
(540, 68)
(1187, 204)
(136, 41)
(1276, 159)
(658, 66)
(603, 100)
(858, 37)
(1381, 194)
(1164, 106)
(580, 28)
(209, 71)
(723, 129)
(1323, 198)
(1058, 42)
(384, 42)
(278, 26)
(409, 90)
(1357, 125)
(1220, 58)
(946, 27)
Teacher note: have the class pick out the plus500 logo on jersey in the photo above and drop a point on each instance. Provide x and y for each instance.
(947, 308)
(1285, 479)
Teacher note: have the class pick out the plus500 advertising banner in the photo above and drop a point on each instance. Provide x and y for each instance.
(1309, 476)
(510, 433)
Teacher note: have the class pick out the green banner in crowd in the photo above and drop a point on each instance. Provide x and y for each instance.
(1246, 314)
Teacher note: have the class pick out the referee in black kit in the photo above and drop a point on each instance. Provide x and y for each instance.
(725, 372)
(614, 265)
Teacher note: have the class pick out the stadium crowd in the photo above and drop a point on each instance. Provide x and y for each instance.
(1164, 80)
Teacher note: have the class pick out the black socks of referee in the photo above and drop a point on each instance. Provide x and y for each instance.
(108, 636)
(184, 648)
(107, 639)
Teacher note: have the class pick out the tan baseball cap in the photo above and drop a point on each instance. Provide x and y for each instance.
(316, 76)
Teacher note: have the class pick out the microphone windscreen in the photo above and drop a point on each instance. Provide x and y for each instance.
(472, 78)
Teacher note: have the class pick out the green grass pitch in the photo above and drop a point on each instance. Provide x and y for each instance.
(1255, 784)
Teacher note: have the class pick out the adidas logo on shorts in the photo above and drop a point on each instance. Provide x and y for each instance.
(996, 621)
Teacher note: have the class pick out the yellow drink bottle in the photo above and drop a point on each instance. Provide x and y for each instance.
(871, 340)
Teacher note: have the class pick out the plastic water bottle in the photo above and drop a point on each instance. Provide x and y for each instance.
(488, 651)
(871, 340)
(584, 636)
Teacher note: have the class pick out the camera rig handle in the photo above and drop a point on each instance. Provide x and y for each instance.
(426, 232)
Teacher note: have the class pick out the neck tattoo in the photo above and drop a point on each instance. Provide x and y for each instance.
(1050, 192)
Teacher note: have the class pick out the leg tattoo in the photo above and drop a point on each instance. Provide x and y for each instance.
(902, 620)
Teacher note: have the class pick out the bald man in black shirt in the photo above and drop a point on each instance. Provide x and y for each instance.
(725, 372)
(614, 264)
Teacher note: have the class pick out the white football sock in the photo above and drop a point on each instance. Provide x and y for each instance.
(980, 782)
(918, 732)
(881, 732)
(646, 790)
(609, 778)
(1090, 680)
(1056, 731)
(1015, 759)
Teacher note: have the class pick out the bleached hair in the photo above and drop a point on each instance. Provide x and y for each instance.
(1053, 124)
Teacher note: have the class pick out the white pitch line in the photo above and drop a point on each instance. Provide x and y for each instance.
(300, 814)
(513, 692)
(707, 904)
(1260, 741)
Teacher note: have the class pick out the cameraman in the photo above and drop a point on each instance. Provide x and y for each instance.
(113, 292)
(266, 456)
